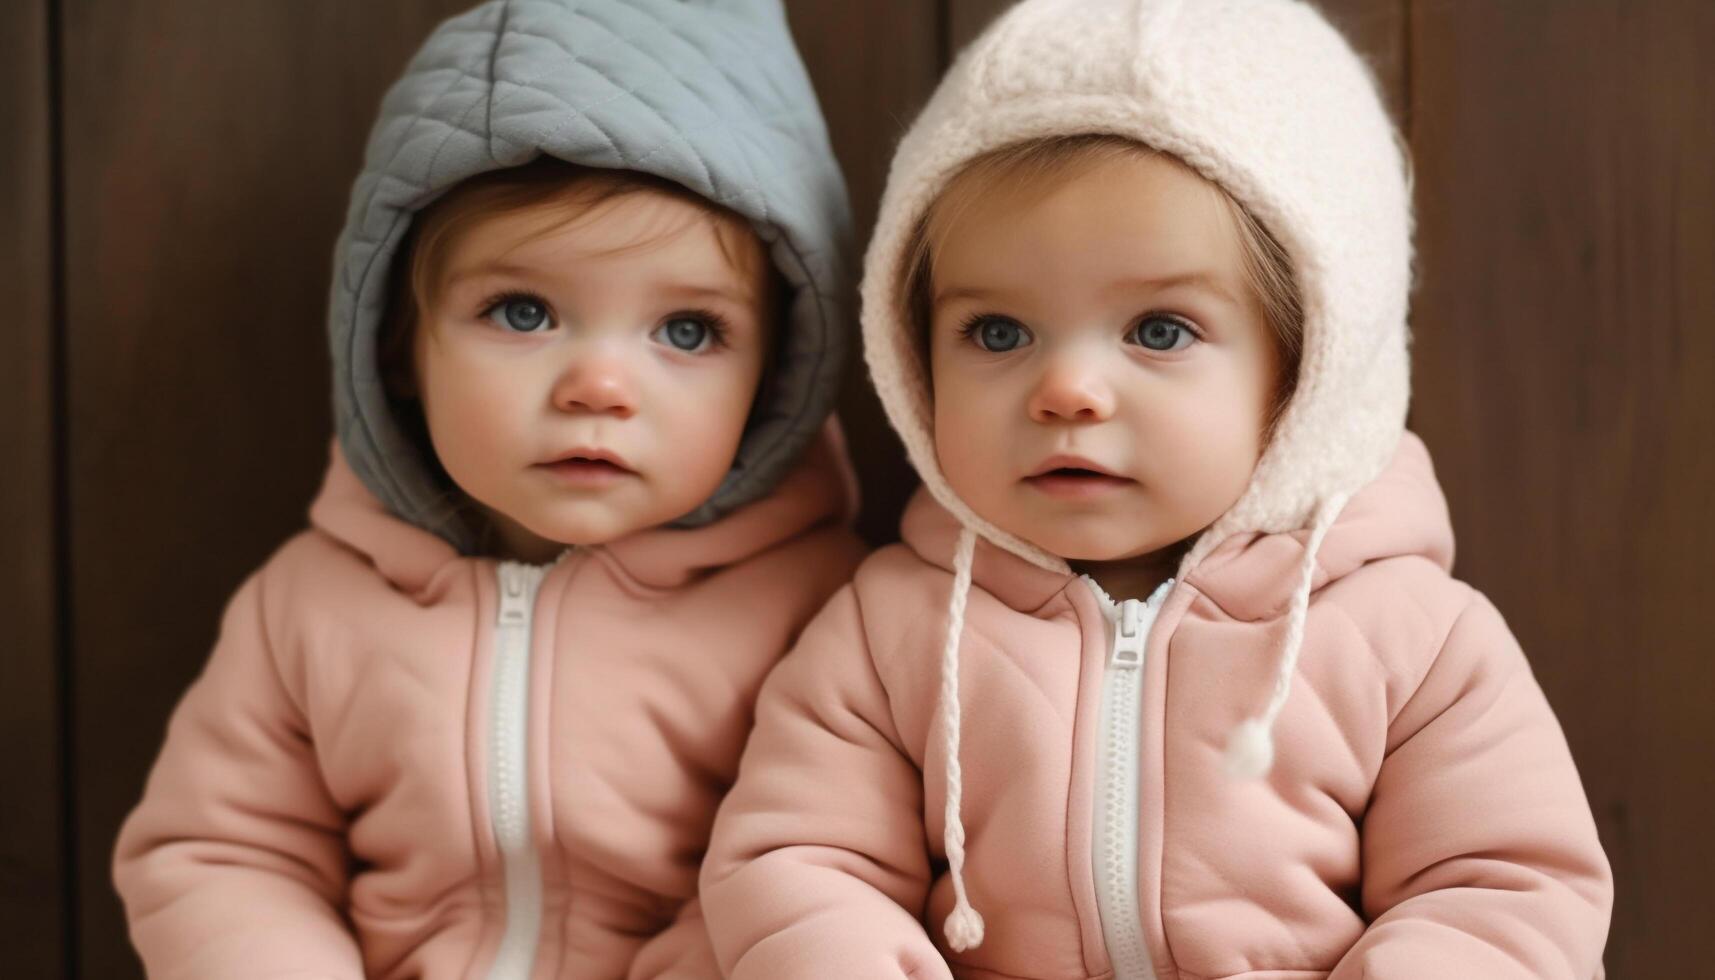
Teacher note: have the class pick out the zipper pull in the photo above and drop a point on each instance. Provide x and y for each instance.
(514, 600)
(1128, 638)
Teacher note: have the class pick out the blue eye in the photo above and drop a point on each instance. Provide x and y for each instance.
(520, 313)
(996, 334)
(690, 334)
(1162, 333)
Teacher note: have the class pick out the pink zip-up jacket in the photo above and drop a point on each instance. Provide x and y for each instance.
(1423, 816)
(391, 769)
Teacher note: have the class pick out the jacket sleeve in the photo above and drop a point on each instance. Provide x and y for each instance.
(818, 866)
(1480, 853)
(234, 863)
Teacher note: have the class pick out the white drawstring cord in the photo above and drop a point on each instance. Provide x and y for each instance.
(964, 926)
(1250, 748)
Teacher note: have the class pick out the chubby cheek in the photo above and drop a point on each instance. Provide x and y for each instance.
(699, 429)
(699, 447)
(1205, 450)
(970, 440)
(472, 424)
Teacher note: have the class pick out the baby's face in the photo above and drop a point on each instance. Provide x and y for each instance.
(1102, 372)
(584, 379)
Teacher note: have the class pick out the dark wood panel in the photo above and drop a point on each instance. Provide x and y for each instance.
(32, 930)
(967, 18)
(873, 65)
(1565, 351)
(209, 150)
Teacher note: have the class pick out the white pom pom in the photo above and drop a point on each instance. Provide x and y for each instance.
(1250, 750)
(964, 928)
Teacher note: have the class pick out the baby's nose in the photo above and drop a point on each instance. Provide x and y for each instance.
(598, 383)
(1071, 390)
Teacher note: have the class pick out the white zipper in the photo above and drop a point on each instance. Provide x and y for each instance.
(508, 777)
(1114, 837)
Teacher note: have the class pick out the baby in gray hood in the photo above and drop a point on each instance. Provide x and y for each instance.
(707, 95)
(587, 326)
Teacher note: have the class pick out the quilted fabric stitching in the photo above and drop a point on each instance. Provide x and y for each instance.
(405, 130)
(531, 85)
(774, 88)
(493, 35)
(630, 41)
(455, 127)
(597, 127)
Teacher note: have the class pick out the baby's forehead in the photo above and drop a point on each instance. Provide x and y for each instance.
(676, 241)
(548, 202)
(1098, 236)
(634, 222)
(1007, 197)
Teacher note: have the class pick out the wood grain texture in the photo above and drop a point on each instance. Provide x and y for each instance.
(873, 65)
(209, 151)
(1565, 328)
(967, 18)
(32, 926)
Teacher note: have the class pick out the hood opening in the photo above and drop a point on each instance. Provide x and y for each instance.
(547, 80)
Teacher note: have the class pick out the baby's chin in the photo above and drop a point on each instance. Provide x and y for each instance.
(1095, 540)
(595, 522)
(593, 533)
(590, 524)
(1096, 552)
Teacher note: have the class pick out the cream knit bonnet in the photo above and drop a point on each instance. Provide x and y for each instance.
(1261, 97)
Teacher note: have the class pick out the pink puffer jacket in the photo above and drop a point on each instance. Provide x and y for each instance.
(1423, 817)
(396, 764)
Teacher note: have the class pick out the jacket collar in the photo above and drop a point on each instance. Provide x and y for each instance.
(819, 489)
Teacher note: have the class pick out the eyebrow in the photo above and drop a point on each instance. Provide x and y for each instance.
(490, 269)
(1157, 283)
(690, 291)
(695, 291)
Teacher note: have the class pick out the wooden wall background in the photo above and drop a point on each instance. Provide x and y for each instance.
(174, 173)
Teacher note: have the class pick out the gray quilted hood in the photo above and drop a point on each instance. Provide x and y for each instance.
(709, 94)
